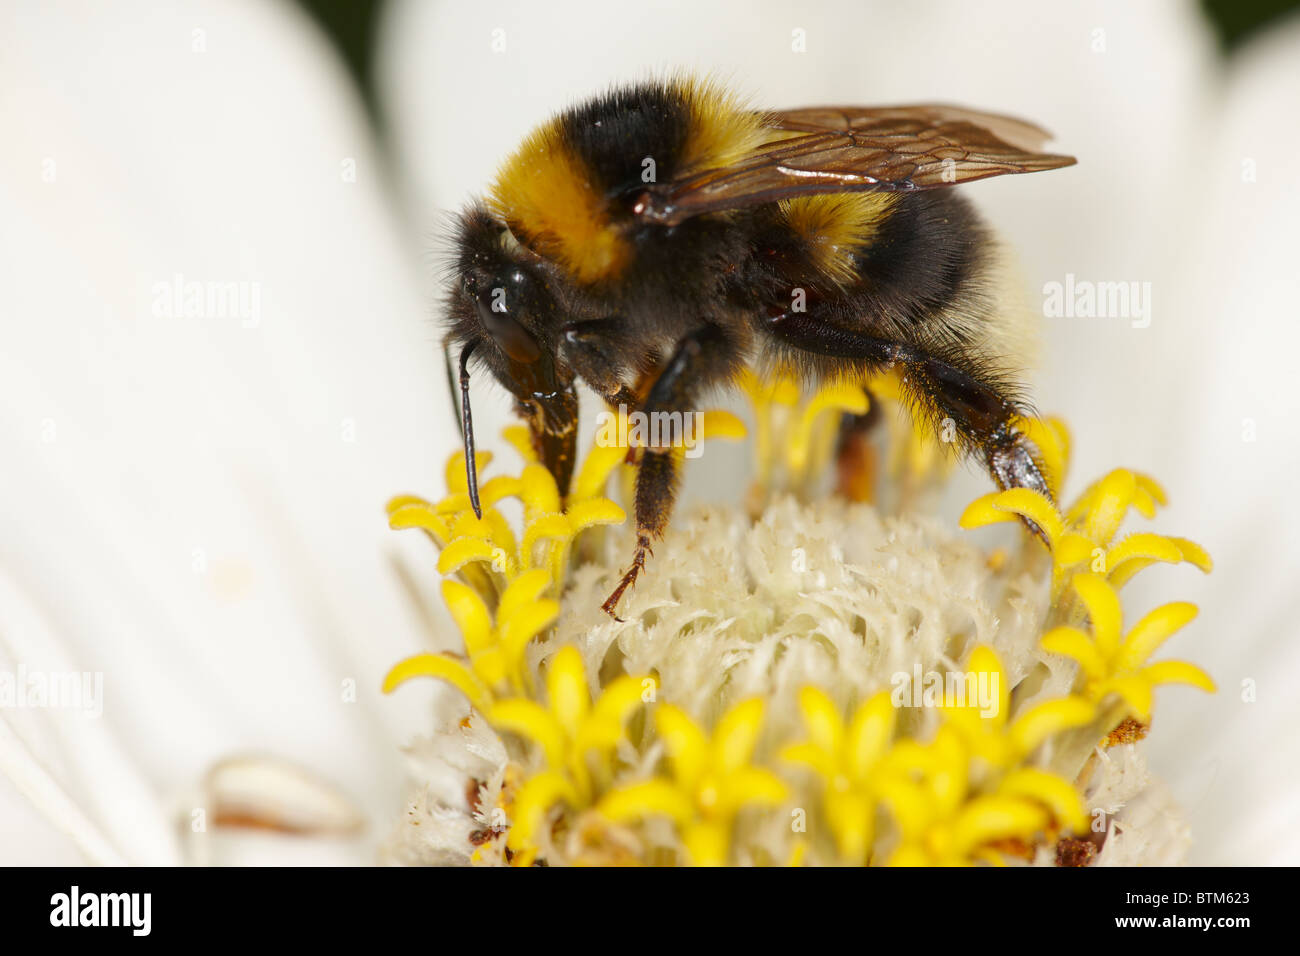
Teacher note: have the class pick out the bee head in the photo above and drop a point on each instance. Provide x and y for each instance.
(504, 316)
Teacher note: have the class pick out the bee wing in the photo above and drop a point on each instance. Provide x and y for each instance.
(833, 149)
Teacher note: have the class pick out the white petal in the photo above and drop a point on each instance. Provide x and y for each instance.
(194, 502)
(1231, 445)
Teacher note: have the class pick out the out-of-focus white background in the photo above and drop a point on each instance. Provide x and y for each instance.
(192, 504)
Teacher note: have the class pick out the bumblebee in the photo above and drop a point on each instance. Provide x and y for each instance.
(655, 240)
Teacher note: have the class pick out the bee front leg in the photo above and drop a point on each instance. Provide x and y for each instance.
(605, 355)
(948, 388)
(656, 490)
(702, 358)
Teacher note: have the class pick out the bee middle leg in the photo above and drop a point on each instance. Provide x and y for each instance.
(702, 358)
(947, 386)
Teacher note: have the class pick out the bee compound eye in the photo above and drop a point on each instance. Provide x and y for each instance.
(512, 338)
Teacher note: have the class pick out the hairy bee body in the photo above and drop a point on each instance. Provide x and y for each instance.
(654, 240)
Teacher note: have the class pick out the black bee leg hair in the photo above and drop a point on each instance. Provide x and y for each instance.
(701, 358)
(981, 415)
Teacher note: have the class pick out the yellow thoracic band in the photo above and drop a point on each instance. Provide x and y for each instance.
(547, 197)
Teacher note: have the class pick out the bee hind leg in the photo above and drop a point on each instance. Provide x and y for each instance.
(948, 388)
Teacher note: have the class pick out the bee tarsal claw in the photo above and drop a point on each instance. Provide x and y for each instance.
(1014, 464)
(629, 579)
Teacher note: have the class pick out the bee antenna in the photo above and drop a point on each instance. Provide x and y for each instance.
(467, 430)
(451, 389)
